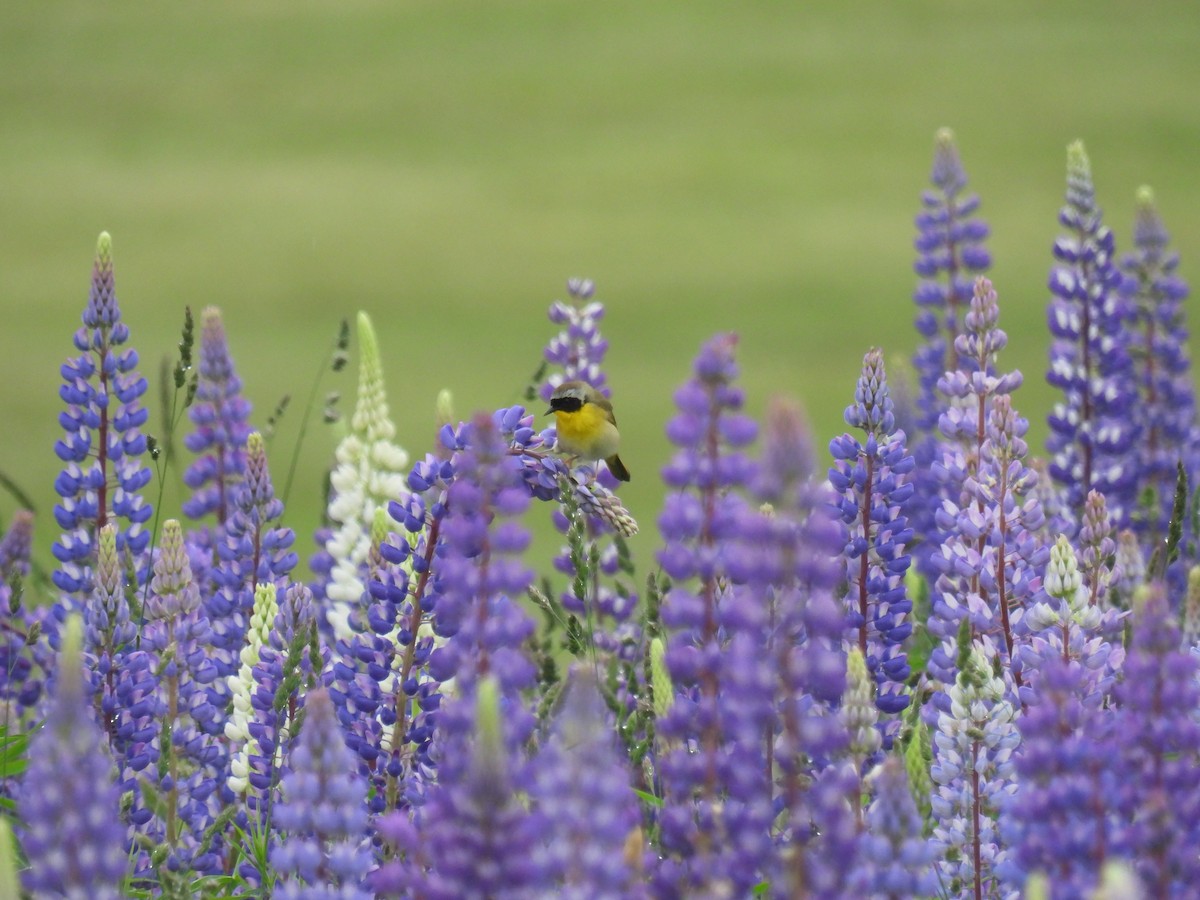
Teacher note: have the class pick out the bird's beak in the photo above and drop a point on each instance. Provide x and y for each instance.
(547, 412)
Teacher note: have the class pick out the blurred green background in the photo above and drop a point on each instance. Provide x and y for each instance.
(447, 165)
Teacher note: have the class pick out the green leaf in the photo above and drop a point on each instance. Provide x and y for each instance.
(648, 798)
(13, 754)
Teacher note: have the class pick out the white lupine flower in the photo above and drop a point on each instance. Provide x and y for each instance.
(370, 472)
(241, 686)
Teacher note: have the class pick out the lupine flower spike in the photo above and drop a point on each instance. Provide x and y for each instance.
(69, 805)
(1093, 433)
(871, 477)
(370, 472)
(950, 253)
(103, 444)
(1161, 363)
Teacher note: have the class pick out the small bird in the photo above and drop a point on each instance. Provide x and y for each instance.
(586, 426)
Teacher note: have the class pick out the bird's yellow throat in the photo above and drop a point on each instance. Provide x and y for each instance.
(585, 432)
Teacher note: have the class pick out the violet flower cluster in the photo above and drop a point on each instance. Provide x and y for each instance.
(1161, 363)
(871, 477)
(102, 445)
(1094, 428)
(950, 254)
(990, 555)
(789, 708)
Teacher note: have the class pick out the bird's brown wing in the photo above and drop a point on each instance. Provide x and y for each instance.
(603, 403)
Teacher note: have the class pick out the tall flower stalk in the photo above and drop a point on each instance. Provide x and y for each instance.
(717, 797)
(1093, 429)
(369, 473)
(871, 477)
(102, 444)
(219, 416)
(1161, 363)
(253, 550)
(973, 777)
(950, 253)
(69, 805)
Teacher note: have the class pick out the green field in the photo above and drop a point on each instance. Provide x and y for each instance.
(447, 165)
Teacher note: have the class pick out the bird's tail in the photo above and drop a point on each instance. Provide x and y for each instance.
(617, 468)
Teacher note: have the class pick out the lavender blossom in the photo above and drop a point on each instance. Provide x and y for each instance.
(325, 852)
(1094, 429)
(872, 482)
(72, 834)
(102, 445)
(219, 416)
(1161, 365)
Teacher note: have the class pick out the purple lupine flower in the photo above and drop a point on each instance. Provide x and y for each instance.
(252, 550)
(1161, 364)
(177, 635)
(578, 349)
(220, 417)
(69, 802)
(102, 446)
(577, 353)
(973, 776)
(989, 556)
(950, 252)
(123, 682)
(475, 838)
(895, 861)
(1128, 570)
(1096, 549)
(1062, 819)
(378, 668)
(1093, 429)
(481, 577)
(581, 785)
(717, 810)
(323, 814)
(788, 559)
(463, 551)
(21, 672)
(872, 482)
(1158, 736)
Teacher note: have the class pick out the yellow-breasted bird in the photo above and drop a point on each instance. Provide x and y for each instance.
(586, 425)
